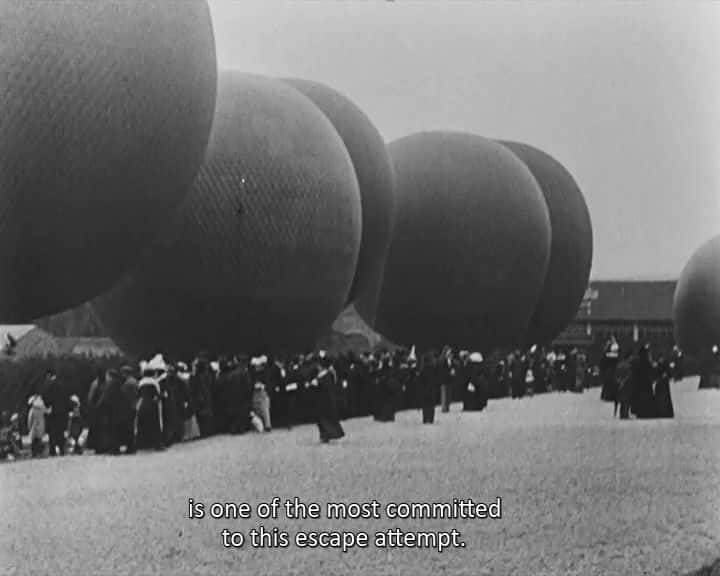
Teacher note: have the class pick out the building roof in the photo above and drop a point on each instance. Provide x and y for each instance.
(71, 346)
(14, 331)
(629, 301)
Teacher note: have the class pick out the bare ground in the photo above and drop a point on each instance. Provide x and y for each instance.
(582, 494)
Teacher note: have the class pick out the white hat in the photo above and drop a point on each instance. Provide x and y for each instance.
(412, 356)
(157, 363)
(258, 361)
(476, 357)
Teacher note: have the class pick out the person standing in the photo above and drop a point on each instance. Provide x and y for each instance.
(428, 383)
(37, 413)
(171, 389)
(643, 400)
(261, 400)
(148, 423)
(624, 395)
(475, 397)
(201, 388)
(75, 424)
(677, 364)
(97, 421)
(608, 368)
(449, 374)
(56, 399)
(115, 411)
(293, 383)
(328, 418)
(130, 397)
(663, 399)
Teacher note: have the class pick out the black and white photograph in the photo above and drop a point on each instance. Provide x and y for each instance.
(360, 287)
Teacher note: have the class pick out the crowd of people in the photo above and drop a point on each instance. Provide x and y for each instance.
(163, 403)
(636, 383)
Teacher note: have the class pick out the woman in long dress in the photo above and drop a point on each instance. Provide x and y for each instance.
(428, 385)
(148, 424)
(328, 419)
(37, 412)
(261, 399)
(475, 396)
(663, 398)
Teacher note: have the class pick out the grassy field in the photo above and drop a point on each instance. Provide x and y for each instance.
(581, 494)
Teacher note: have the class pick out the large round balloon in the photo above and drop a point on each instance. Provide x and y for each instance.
(377, 188)
(571, 247)
(696, 306)
(105, 112)
(470, 247)
(264, 248)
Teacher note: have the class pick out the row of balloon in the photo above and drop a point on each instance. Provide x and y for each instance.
(200, 209)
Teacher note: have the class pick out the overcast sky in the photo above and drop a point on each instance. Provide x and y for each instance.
(625, 95)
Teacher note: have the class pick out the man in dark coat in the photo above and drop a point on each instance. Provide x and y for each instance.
(449, 375)
(239, 397)
(643, 400)
(328, 418)
(172, 388)
(201, 387)
(292, 385)
(221, 397)
(130, 399)
(115, 410)
(624, 395)
(429, 381)
(385, 390)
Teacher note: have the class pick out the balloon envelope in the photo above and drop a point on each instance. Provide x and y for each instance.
(470, 245)
(696, 306)
(105, 112)
(571, 246)
(375, 176)
(263, 251)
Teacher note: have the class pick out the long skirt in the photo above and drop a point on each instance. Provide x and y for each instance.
(148, 425)
(191, 430)
(330, 429)
(445, 397)
(261, 407)
(663, 399)
(428, 413)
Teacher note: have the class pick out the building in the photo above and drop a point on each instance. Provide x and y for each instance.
(634, 311)
(22, 341)
(19, 342)
(88, 347)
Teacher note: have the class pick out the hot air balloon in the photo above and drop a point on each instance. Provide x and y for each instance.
(470, 247)
(696, 305)
(263, 251)
(571, 247)
(105, 113)
(377, 188)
